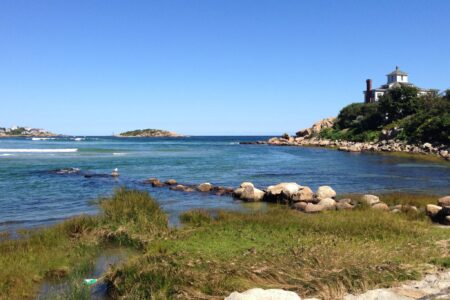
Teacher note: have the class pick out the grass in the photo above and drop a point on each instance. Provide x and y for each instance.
(215, 253)
(323, 255)
(67, 250)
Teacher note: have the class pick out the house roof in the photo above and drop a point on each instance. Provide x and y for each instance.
(397, 71)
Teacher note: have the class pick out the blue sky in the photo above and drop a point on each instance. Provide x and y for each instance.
(208, 67)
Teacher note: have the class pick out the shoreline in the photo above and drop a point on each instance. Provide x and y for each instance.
(247, 238)
(390, 147)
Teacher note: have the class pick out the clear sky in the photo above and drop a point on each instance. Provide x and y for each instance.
(208, 67)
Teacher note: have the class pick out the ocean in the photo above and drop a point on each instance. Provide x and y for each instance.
(33, 193)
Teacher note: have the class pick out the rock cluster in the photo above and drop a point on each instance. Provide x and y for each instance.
(381, 146)
(205, 187)
(387, 143)
(440, 213)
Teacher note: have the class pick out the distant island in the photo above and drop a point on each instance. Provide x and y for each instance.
(19, 131)
(149, 133)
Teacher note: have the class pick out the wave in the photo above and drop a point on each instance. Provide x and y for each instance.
(6, 154)
(39, 150)
(119, 153)
(41, 139)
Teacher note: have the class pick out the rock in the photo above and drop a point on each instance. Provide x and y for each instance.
(344, 206)
(205, 187)
(247, 192)
(313, 208)
(155, 182)
(378, 294)
(299, 206)
(178, 187)
(328, 203)
(325, 192)
(370, 199)
(432, 209)
(246, 183)
(345, 200)
(444, 201)
(442, 216)
(380, 206)
(282, 192)
(396, 211)
(285, 136)
(251, 194)
(304, 132)
(303, 193)
(171, 182)
(260, 294)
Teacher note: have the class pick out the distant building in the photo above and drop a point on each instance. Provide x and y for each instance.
(396, 78)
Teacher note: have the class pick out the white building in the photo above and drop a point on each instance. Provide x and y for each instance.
(396, 78)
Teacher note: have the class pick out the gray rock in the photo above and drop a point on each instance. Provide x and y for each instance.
(344, 206)
(260, 294)
(378, 294)
(299, 206)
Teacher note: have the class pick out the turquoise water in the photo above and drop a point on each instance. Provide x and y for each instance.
(32, 195)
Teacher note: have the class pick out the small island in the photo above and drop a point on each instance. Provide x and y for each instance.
(20, 131)
(149, 133)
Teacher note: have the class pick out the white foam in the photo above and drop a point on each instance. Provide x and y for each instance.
(38, 150)
(6, 154)
(41, 139)
(119, 153)
(79, 139)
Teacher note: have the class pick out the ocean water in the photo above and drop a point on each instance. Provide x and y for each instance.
(31, 194)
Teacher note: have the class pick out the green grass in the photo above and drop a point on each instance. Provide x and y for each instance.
(215, 253)
(324, 255)
(67, 250)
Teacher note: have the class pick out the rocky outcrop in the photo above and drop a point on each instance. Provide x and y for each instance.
(441, 151)
(149, 133)
(316, 128)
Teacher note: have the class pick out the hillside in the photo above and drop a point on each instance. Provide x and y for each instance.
(400, 114)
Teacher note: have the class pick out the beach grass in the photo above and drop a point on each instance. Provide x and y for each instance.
(216, 252)
(323, 255)
(67, 250)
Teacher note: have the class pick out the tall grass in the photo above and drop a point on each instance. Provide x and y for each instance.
(64, 250)
(324, 255)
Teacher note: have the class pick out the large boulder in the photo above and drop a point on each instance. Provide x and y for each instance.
(299, 205)
(324, 192)
(286, 192)
(205, 187)
(260, 294)
(328, 203)
(171, 182)
(314, 208)
(380, 206)
(444, 201)
(432, 209)
(248, 192)
(370, 199)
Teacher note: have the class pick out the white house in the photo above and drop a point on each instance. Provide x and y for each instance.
(396, 78)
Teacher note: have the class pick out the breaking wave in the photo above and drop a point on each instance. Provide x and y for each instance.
(38, 150)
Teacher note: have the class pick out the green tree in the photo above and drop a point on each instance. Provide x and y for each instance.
(398, 103)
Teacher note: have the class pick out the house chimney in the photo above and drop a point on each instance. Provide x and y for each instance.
(368, 95)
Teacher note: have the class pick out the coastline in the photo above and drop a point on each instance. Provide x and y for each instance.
(392, 147)
(376, 251)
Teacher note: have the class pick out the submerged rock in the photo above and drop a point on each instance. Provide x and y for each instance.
(205, 187)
